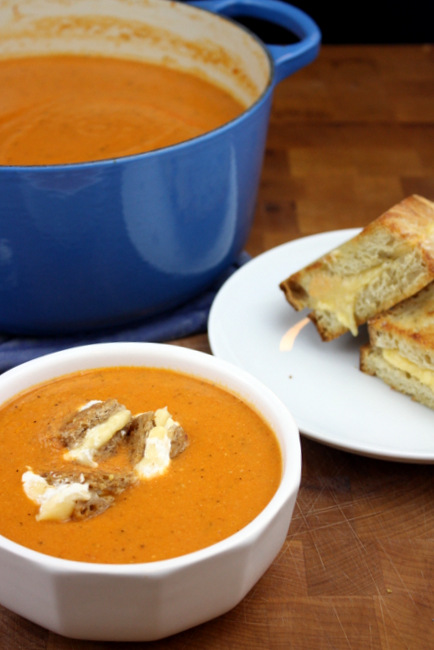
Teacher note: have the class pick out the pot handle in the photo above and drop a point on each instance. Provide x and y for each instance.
(287, 58)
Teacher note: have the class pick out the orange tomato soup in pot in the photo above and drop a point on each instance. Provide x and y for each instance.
(131, 464)
(71, 108)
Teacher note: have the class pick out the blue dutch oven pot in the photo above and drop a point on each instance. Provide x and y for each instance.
(103, 243)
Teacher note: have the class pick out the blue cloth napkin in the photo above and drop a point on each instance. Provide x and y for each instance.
(186, 320)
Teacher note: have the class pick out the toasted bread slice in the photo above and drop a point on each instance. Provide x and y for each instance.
(401, 349)
(95, 431)
(75, 495)
(389, 260)
(103, 489)
(154, 439)
(138, 432)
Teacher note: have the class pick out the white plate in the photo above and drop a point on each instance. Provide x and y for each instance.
(331, 400)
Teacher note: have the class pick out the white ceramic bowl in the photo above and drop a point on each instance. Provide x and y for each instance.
(149, 601)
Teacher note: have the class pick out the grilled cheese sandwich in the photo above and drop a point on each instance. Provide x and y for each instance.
(401, 347)
(389, 260)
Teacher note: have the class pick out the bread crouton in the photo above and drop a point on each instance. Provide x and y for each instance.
(103, 489)
(138, 432)
(94, 431)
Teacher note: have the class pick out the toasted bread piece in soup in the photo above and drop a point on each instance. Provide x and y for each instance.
(401, 349)
(95, 431)
(389, 260)
(103, 488)
(138, 432)
(155, 438)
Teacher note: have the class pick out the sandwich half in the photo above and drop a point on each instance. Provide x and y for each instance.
(389, 260)
(401, 348)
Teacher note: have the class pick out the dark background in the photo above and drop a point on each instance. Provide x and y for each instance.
(365, 22)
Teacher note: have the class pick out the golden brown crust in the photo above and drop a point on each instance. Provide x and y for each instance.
(294, 292)
(398, 247)
(412, 320)
(412, 221)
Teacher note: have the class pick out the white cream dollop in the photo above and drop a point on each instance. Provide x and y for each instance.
(156, 457)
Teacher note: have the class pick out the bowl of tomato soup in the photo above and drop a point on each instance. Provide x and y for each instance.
(98, 543)
(131, 144)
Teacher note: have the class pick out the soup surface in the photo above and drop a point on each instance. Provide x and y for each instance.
(66, 109)
(220, 482)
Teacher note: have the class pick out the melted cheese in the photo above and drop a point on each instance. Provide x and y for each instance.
(98, 436)
(396, 360)
(56, 502)
(339, 294)
(156, 458)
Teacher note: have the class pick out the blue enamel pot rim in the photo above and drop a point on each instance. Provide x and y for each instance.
(282, 64)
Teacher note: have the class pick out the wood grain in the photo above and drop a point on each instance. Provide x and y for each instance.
(349, 136)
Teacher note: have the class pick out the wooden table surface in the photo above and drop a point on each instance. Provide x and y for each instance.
(350, 135)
